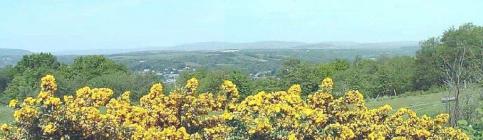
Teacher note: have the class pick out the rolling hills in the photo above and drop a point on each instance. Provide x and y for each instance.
(252, 56)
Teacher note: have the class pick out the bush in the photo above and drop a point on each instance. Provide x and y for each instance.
(187, 114)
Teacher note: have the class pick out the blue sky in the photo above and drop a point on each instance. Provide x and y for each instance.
(59, 25)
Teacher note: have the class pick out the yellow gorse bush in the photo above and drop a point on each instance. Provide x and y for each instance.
(92, 113)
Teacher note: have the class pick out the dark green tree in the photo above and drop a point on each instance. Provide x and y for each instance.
(27, 73)
(211, 80)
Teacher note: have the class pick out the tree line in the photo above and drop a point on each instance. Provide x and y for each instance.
(21, 80)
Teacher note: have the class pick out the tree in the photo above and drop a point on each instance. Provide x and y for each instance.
(96, 71)
(454, 59)
(89, 67)
(428, 72)
(27, 71)
(212, 79)
(384, 76)
(36, 61)
(6, 76)
(294, 71)
(119, 82)
(430, 60)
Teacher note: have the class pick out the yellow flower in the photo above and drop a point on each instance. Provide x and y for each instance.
(292, 136)
(29, 101)
(93, 113)
(422, 133)
(441, 119)
(48, 84)
(262, 125)
(26, 113)
(43, 95)
(295, 89)
(12, 103)
(126, 96)
(49, 128)
(4, 127)
(192, 84)
(376, 136)
(230, 88)
(354, 97)
(156, 90)
(327, 83)
(52, 101)
(227, 116)
(341, 131)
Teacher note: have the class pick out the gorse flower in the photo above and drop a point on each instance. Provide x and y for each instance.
(29, 101)
(49, 128)
(192, 84)
(92, 113)
(52, 101)
(230, 88)
(295, 89)
(4, 128)
(327, 83)
(48, 84)
(12, 103)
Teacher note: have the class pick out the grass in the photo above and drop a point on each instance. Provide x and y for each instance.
(6, 114)
(426, 103)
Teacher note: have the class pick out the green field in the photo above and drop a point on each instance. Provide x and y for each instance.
(5, 114)
(424, 103)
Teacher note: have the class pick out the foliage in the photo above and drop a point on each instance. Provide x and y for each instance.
(84, 71)
(6, 76)
(26, 72)
(37, 61)
(188, 114)
(308, 75)
(266, 84)
(210, 80)
(472, 122)
(89, 67)
(436, 53)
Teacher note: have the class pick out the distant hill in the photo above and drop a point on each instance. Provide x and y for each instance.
(291, 45)
(228, 45)
(14, 52)
(99, 51)
(220, 46)
(11, 56)
(264, 55)
(199, 46)
(355, 45)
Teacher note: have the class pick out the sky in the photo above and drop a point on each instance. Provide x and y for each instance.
(59, 25)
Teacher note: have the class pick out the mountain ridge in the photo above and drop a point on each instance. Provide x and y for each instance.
(220, 46)
(11, 51)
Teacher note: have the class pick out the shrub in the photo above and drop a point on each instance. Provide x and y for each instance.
(186, 114)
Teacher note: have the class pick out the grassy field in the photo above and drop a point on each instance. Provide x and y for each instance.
(426, 103)
(5, 114)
